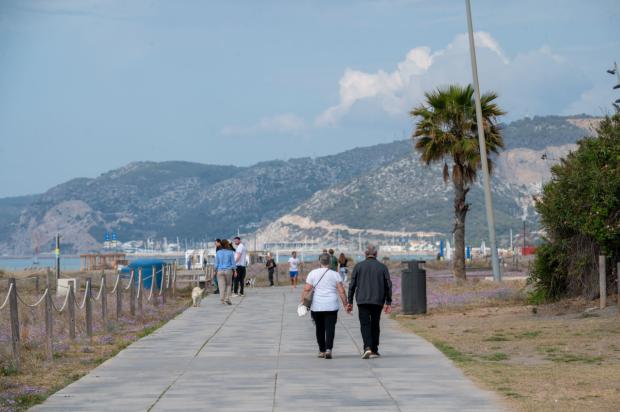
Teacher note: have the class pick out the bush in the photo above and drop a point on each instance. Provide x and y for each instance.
(580, 213)
(547, 275)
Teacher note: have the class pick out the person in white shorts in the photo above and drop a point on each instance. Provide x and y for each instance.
(293, 269)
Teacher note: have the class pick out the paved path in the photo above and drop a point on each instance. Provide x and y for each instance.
(258, 355)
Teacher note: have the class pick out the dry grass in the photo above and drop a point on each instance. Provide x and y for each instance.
(40, 377)
(546, 358)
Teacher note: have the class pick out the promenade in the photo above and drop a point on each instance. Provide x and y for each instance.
(258, 355)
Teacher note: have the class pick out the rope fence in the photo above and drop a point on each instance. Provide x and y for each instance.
(165, 276)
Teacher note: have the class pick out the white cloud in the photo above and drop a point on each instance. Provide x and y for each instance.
(538, 81)
(282, 123)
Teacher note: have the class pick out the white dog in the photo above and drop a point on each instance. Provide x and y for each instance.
(251, 282)
(197, 296)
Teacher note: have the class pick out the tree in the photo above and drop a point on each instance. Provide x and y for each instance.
(580, 213)
(447, 132)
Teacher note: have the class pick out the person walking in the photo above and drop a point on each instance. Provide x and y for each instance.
(324, 309)
(218, 246)
(372, 287)
(293, 269)
(333, 262)
(342, 267)
(240, 261)
(271, 267)
(224, 268)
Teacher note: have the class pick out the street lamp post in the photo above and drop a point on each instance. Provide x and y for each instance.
(483, 150)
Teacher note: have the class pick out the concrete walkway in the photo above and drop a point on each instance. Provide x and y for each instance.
(258, 355)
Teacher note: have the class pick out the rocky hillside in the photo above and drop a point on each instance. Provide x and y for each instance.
(147, 199)
(381, 189)
(407, 198)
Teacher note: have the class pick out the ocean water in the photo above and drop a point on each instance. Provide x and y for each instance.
(15, 264)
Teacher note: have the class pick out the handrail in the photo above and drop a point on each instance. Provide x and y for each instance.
(100, 289)
(115, 284)
(34, 305)
(8, 295)
(86, 293)
(63, 305)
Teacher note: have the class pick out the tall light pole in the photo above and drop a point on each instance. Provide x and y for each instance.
(488, 199)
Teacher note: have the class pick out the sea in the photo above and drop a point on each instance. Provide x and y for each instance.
(68, 264)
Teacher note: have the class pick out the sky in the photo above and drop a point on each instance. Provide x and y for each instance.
(91, 85)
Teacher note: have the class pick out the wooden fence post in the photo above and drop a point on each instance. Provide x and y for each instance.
(48, 280)
(171, 283)
(14, 324)
(71, 310)
(104, 301)
(163, 284)
(618, 283)
(132, 294)
(140, 293)
(174, 278)
(154, 285)
(119, 298)
(602, 281)
(36, 284)
(49, 326)
(89, 308)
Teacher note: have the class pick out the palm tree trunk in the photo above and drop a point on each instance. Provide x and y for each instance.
(460, 211)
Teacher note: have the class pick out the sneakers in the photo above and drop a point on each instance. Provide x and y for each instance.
(234, 295)
(228, 302)
(321, 355)
(241, 294)
(328, 354)
(367, 353)
(375, 355)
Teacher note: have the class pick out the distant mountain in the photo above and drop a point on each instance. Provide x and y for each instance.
(147, 199)
(380, 190)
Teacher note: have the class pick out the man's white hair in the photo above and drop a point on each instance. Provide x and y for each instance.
(371, 250)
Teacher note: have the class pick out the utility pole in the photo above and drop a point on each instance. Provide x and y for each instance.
(483, 150)
(523, 250)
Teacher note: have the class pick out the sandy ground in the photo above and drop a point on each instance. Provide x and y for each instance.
(559, 357)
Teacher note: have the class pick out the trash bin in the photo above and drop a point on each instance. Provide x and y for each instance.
(413, 288)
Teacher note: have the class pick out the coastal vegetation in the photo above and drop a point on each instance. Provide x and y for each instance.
(580, 213)
(446, 132)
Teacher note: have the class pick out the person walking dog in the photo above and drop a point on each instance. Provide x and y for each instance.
(324, 308)
(372, 287)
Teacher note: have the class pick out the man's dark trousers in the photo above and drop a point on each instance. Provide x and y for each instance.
(239, 280)
(370, 316)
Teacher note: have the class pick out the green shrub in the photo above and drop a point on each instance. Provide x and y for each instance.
(580, 213)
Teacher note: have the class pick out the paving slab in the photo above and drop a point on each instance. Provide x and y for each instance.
(258, 355)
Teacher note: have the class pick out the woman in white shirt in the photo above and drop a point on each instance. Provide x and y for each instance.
(328, 288)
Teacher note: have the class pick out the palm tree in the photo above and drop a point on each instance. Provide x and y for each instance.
(447, 132)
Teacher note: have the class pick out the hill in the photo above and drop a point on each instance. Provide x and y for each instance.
(381, 188)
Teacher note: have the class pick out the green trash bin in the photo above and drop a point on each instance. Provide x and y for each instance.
(413, 288)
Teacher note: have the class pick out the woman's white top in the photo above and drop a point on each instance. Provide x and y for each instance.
(325, 293)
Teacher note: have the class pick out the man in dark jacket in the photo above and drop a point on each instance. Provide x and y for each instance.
(372, 287)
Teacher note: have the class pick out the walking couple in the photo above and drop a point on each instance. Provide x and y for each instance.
(372, 288)
(230, 268)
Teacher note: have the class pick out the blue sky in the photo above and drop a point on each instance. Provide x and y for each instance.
(91, 85)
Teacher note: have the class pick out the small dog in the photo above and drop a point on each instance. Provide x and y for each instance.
(251, 282)
(197, 296)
